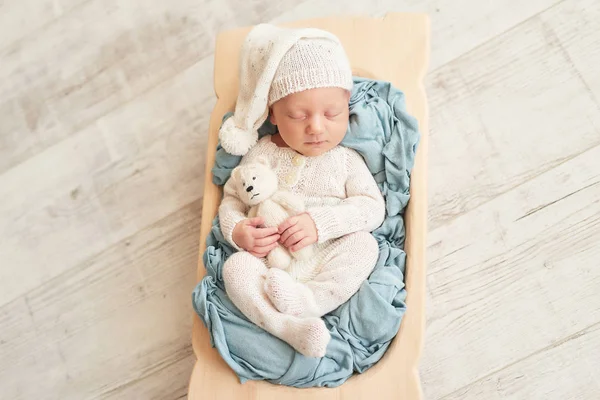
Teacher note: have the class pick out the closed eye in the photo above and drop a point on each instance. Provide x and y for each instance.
(332, 114)
(298, 117)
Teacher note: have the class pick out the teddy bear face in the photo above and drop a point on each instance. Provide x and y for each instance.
(255, 182)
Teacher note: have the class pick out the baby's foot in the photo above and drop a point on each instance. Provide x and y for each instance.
(310, 337)
(285, 293)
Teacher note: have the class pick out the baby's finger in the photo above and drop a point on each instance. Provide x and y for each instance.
(266, 241)
(287, 224)
(256, 221)
(265, 249)
(257, 255)
(264, 232)
(288, 232)
(293, 239)
(301, 244)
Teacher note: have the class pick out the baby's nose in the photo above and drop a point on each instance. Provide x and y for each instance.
(249, 188)
(315, 126)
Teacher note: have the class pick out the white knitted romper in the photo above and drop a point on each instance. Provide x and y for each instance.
(345, 204)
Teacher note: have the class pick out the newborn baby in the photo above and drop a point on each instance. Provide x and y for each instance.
(301, 79)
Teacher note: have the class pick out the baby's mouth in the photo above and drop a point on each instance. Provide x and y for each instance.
(254, 195)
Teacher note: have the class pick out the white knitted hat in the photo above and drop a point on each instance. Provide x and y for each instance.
(276, 62)
(311, 64)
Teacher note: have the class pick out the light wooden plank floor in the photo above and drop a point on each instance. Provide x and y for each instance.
(104, 108)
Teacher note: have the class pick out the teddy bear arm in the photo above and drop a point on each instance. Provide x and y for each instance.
(253, 212)
(290, 202)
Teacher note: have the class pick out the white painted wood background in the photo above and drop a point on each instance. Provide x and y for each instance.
(104, 108)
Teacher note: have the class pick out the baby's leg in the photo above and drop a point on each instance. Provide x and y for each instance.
(347, 265)
(244, 277)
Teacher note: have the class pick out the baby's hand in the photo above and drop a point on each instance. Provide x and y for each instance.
(257, 241)
(297, 232)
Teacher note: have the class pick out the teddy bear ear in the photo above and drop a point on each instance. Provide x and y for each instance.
(235, 174)
(263, 160)
(269, 162)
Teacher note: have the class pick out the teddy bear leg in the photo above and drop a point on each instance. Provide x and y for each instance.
(304, 254)
(279, 258)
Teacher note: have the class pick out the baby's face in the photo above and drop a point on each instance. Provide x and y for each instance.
(313, 121)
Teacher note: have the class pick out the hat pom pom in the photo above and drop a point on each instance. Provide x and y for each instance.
(234, 140)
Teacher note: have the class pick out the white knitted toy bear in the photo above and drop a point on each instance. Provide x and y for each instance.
(257, 186)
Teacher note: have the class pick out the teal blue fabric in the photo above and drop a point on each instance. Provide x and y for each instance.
(382, 131)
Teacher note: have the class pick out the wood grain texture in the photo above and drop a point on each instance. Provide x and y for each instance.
(56, 83)
(98, 332)
(515, 275)
(365, 41)
(457, 26)
(503, 110)
(22, 18)
(92, 201)
(578, 41)
(568, 369)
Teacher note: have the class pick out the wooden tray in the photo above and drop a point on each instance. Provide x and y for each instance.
(396, 49)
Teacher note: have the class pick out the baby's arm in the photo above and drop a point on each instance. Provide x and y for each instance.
(362, 210)
(231, 211)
